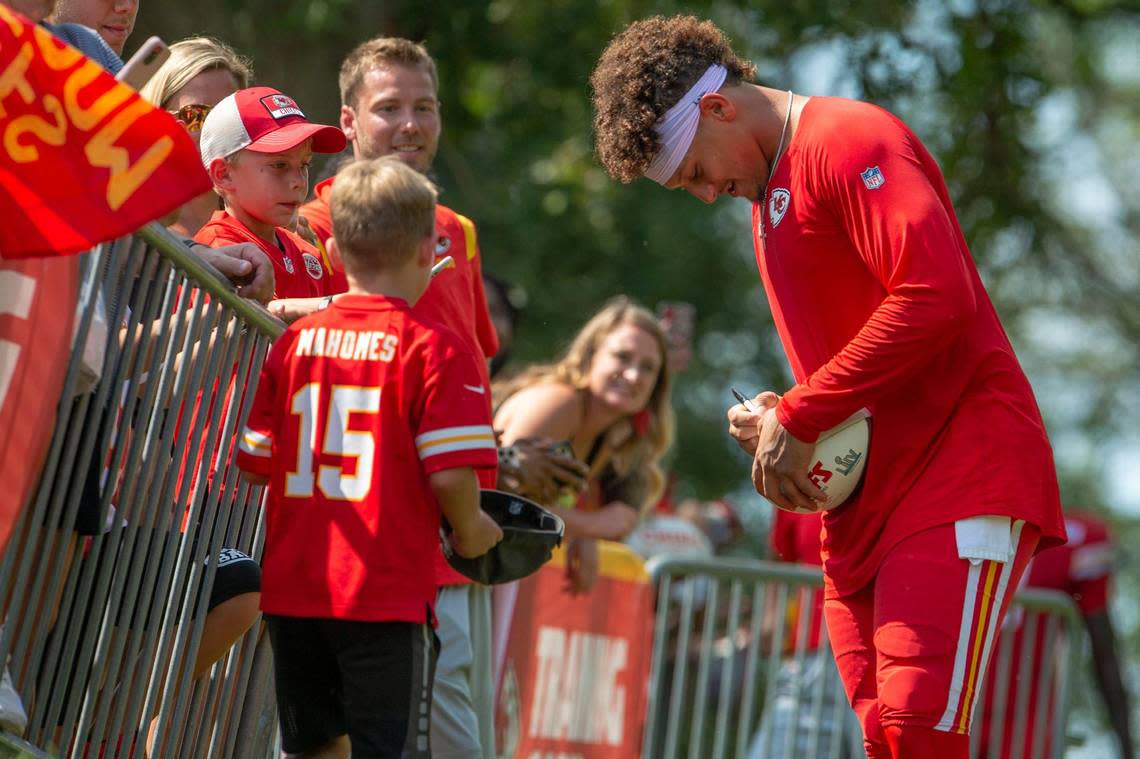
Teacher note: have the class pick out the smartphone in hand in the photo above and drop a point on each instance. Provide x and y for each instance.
(144, 63)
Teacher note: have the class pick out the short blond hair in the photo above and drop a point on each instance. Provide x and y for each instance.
(189, 58)
(382, 210)
(378, 53)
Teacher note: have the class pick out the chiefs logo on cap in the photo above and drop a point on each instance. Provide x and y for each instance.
(280, 106)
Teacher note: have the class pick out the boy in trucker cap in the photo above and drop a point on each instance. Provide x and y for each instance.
(256, 145)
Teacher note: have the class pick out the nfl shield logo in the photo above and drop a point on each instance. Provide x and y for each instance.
(873, 178)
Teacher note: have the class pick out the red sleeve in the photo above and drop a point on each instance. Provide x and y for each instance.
(454, 427)
(255, 444)
(906, 235)
(211, 235)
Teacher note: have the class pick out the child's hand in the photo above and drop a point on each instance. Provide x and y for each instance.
(479, 536)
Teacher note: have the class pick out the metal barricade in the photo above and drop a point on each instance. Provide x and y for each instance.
(742, 667)
(1024, 708)
(102, 630)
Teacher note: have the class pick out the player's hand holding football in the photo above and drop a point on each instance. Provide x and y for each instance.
(476, 537)
(780, 467)
(744, 424)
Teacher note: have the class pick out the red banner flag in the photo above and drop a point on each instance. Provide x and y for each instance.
(37, 306)
(83, 158)
(574, 672)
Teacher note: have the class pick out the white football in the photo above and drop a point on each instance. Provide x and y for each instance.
(839, 457)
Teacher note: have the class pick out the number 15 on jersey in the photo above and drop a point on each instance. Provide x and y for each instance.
(336, 440)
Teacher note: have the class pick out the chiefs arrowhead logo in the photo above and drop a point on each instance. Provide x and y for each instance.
(778, 205)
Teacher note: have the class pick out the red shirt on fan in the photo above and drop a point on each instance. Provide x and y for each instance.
(879, 305)
(455, 298)
(296, 264)
(383, 394)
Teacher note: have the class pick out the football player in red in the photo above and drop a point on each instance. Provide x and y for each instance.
(366, 423)
(256, 145)
(878, 305)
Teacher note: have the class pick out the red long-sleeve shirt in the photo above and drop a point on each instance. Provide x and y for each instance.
(878, 304)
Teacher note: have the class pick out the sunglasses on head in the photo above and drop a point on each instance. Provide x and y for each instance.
(191, 116)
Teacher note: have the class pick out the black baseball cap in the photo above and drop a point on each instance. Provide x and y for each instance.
(530, 535)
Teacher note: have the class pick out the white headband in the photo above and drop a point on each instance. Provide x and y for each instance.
(676, 129)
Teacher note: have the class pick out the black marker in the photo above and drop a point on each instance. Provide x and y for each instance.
(743, 401)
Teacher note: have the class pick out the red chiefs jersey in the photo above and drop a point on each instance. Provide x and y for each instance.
(878, 304)
(296, 264)
(356, 406)
(317, 213)
(455, 298)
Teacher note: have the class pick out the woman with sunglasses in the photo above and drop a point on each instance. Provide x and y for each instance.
(198, 74)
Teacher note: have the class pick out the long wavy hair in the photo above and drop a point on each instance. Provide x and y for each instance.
(634, 455)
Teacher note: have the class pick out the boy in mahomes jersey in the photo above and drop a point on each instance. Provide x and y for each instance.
(256, 145)
(365, 426)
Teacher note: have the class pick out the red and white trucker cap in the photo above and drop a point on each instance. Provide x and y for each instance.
(265, 121)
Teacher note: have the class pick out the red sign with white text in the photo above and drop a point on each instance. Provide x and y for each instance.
(83, 158)
(575, 673)
(37, 307)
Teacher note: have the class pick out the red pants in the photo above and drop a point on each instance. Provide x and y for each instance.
(913, 645)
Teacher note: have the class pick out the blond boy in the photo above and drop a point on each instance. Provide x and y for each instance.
(256, 145)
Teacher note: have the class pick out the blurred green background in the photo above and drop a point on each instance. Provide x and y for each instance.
(1031, 108)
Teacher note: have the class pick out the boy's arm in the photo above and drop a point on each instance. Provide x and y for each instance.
(290, 310)
(457, 490)
(254, 454)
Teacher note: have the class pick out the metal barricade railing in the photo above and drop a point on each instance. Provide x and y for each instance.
(1024, 709)
(742, 668)
(102, 630)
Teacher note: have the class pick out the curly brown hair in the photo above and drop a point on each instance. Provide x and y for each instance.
(642, 73)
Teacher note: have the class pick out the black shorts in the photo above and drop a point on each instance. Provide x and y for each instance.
(237, 573)
(369, 680)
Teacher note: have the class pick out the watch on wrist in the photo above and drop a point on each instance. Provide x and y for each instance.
(508, 457)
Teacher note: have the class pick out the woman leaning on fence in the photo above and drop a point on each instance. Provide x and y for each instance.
(608, 398)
